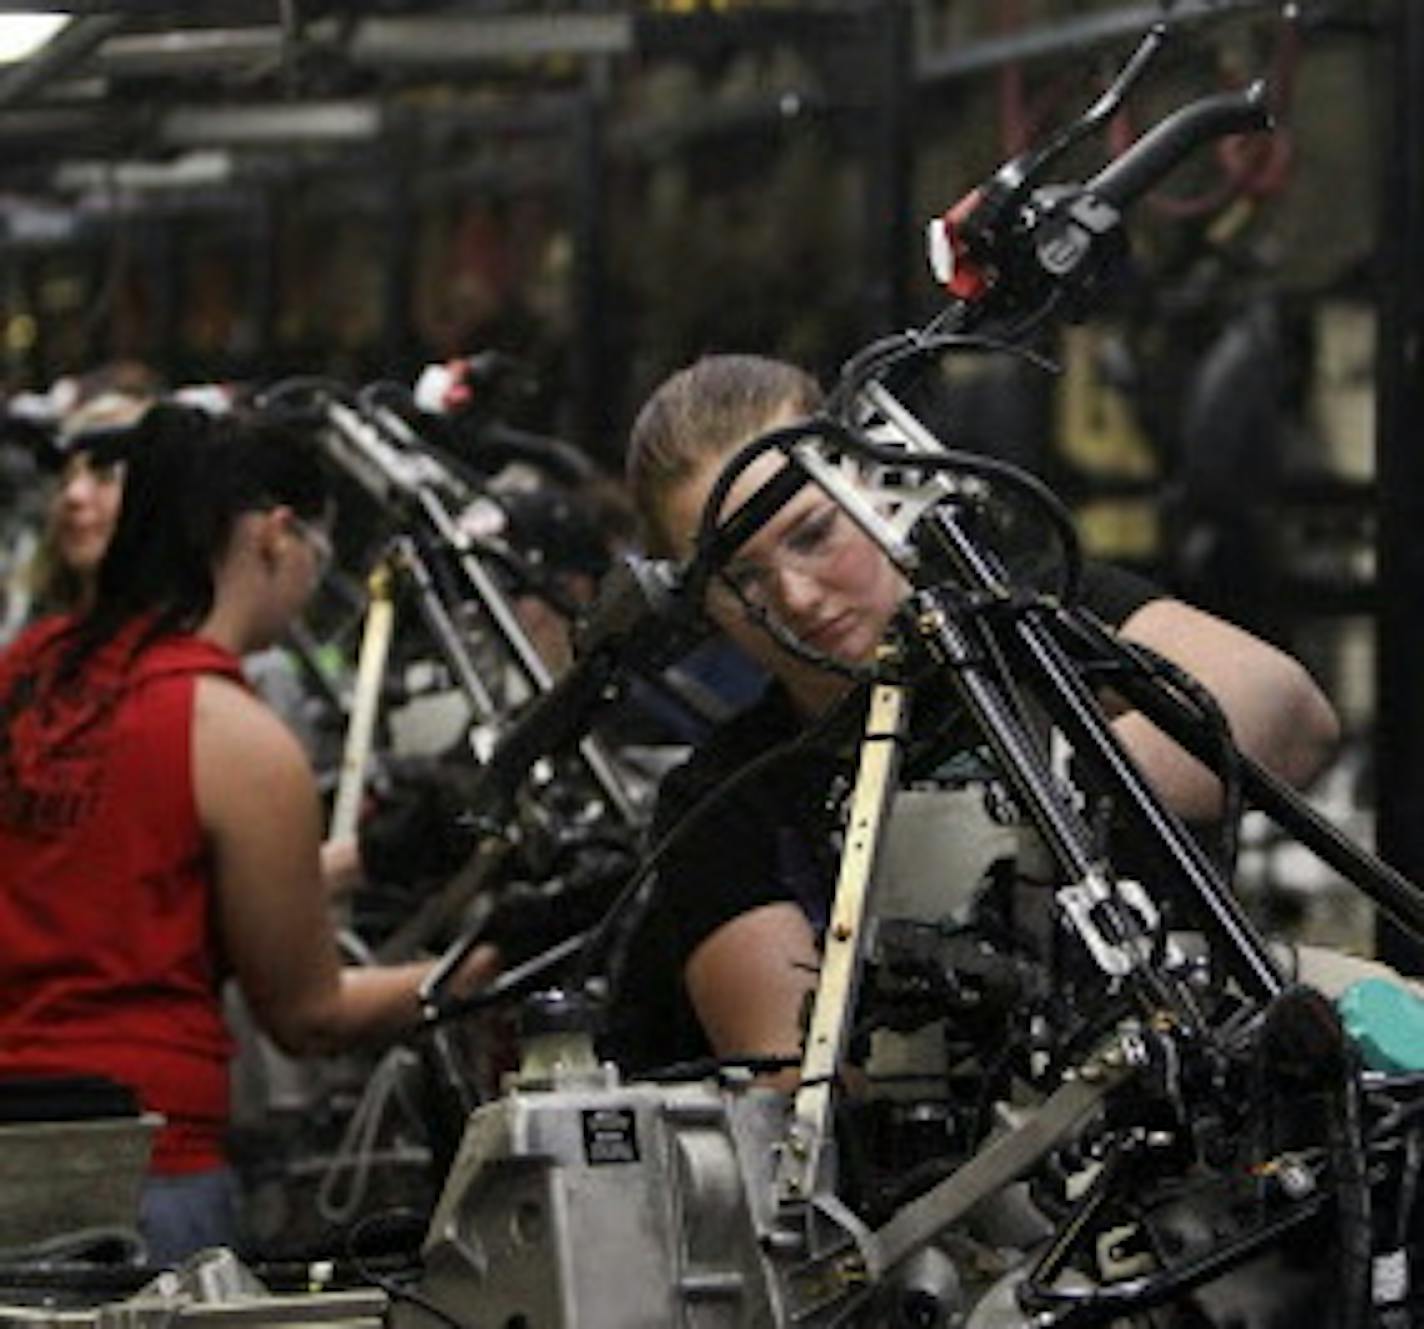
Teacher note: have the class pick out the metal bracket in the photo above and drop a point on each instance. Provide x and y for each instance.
(801, 1167)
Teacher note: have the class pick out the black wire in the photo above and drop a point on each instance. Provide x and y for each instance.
(613, 925)
(789, 642)
(707, 550)
(703, 1068)
(394, 1290)
(1035, 319)
(1401, 1115)
(1153, 666)
(1354, 1219)
(990, 469)
(707, 555)
(984, 1099)
(392, 390)
(1010, 687)
(303, 386)
(1408, 1187)
(890, 353)
(1302, 1036)
(1060, 1308)
(1229, 769)
(510, 980)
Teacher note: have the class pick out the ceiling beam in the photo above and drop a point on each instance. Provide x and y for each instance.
(26, 124)
(67, 49)
(271, 122)
(1067, 35)
(444, 40)
(187, 51)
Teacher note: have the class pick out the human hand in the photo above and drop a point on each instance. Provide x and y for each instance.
(477, 970)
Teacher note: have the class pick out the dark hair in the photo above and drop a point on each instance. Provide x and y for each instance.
(188, 477)
(90, 429)
(701, 413)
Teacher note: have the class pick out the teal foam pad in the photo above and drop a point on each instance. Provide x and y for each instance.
(1386, 1021)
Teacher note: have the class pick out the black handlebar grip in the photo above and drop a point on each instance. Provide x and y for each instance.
(1131, 175)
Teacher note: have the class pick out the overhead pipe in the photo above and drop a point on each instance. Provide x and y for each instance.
(68, 48)
(1063, 36)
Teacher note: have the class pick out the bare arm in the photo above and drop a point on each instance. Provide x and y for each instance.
(1278, 716)
(258, 805)
(748, 983)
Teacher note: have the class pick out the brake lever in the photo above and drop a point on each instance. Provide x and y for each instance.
(972, 224)
(1097, 115)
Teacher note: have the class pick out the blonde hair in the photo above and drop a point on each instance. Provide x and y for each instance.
(700, 414)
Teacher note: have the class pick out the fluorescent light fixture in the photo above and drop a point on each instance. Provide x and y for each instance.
(444, 40)
(277, 122)
(22, 34)
(192, 170)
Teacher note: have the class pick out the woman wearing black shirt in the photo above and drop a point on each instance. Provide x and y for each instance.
(729, 953)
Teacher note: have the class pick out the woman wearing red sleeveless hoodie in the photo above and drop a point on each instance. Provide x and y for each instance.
(159, 826)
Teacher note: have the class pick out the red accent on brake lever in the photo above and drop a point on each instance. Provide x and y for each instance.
(964, 280)
(460, 392)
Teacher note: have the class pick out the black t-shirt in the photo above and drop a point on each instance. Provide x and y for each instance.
(768, 837)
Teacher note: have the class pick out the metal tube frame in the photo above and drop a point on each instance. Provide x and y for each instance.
(387, 457)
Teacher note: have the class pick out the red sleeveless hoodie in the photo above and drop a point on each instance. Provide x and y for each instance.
(108, 958)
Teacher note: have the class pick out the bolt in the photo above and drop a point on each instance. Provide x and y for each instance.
(852, 1269)
(1134, 1050)
(1295, 1179)
(782, 1242)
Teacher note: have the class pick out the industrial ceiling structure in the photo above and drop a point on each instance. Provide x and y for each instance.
(151, 111)
(135, 101)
